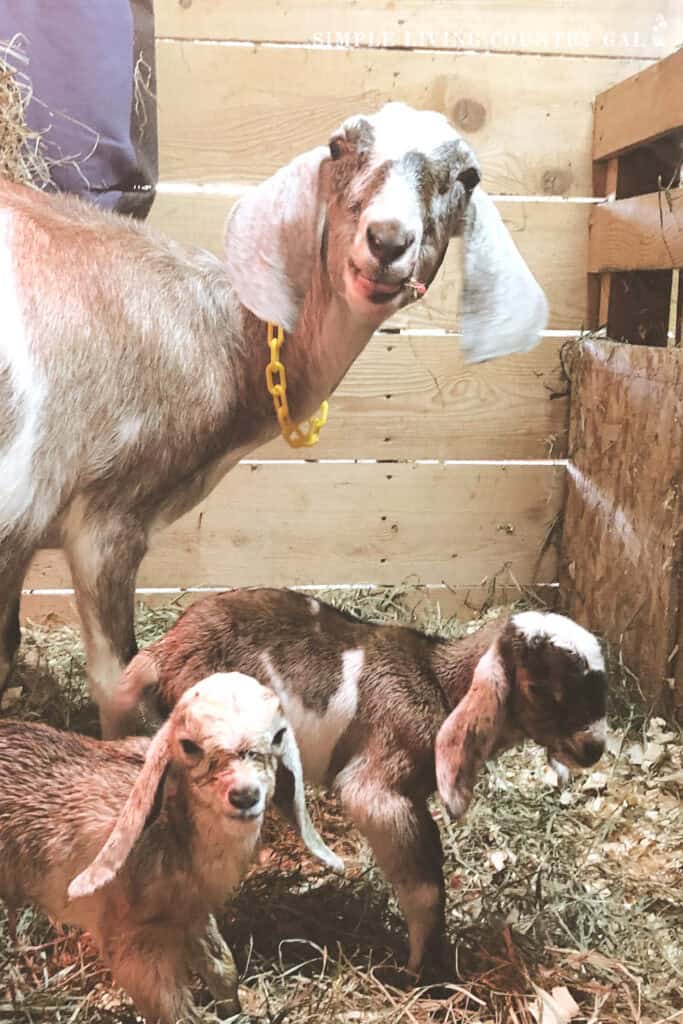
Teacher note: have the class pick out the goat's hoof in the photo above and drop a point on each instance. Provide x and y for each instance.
(395, 976)
(229, 1010)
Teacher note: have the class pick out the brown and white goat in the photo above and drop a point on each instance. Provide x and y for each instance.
(385, 714)
(142, 841)
(132, 368)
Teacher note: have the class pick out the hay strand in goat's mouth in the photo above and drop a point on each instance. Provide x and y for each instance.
(556, 898)
(21, 150)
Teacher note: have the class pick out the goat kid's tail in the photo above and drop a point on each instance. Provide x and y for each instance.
(142, 671)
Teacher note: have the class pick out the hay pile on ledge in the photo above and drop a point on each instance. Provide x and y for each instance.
(574, 892)
(21, 150)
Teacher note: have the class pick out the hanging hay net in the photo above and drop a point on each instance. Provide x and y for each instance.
(22, 157)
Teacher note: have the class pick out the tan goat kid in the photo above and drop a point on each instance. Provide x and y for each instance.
(141, 841)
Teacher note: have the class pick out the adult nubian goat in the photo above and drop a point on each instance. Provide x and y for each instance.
(132, 368)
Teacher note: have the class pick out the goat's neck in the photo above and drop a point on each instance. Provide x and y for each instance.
(191, 835)
(327, 339)
(454, 661)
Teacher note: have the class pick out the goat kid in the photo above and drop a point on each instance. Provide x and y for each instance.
(132, 368)
(141, 841)
(385, 714)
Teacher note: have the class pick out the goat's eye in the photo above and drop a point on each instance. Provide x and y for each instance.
(248, 755)
(191, 748)
(279, 736)
(470, 178)
(336, 148)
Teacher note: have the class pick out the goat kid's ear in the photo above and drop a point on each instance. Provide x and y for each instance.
(502, 306)
(272, 237)
(470, 733)
(294, 805)
(131, 820)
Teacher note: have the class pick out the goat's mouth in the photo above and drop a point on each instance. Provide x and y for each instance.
(248, 816)
(377, 292)
(578, 758)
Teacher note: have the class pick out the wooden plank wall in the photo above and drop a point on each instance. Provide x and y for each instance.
(622, 559)
(242, 88)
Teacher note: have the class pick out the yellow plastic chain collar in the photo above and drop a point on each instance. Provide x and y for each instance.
(276, 382)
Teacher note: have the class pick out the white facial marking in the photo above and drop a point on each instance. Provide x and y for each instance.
(317, 735)
(399, 128)
(397, 199)
(563, 633)
(597, 731)
(314, 606)
(18, 483)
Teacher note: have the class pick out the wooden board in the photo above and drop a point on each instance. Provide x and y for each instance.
(622, 559)
(412, 397)
(462, 603)
(238, 113)
(613, 28)
(550, 236)
(287, 524)
(643, 233)
(643, 107)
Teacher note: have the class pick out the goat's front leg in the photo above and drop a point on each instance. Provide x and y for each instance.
(104, 554)
(13, 564)
(407, 847)
(211, 957)
(150, 964)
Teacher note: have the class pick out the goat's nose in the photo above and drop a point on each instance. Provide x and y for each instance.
(388, 239)
(589, 752)
(244, 797)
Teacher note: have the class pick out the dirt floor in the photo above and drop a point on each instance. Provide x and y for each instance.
(563, 904)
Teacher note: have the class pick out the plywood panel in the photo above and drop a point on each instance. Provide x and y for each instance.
(462, 603)
(643, 107)
(237, 113)
(613, 28)
(643, 233)
(286, 524)
(622, 557)
(550, 236)
(412, 397)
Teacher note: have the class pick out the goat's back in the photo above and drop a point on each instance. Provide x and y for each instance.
(116, 343)
(248, 630)
(60, 794)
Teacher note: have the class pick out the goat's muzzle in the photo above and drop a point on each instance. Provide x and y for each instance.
(581, 753)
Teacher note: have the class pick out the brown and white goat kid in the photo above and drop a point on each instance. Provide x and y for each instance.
(132, 368)
(142, 841)
(372, 705)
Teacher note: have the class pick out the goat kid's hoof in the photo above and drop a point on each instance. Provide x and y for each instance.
(395, 976)
(229, 1010)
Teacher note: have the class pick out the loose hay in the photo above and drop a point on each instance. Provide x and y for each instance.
(553, 896)
(21, 151)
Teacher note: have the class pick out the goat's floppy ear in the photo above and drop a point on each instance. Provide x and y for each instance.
(470, 733)
(291, 799)
(271, 239)
(502, 306)
(130, 822)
